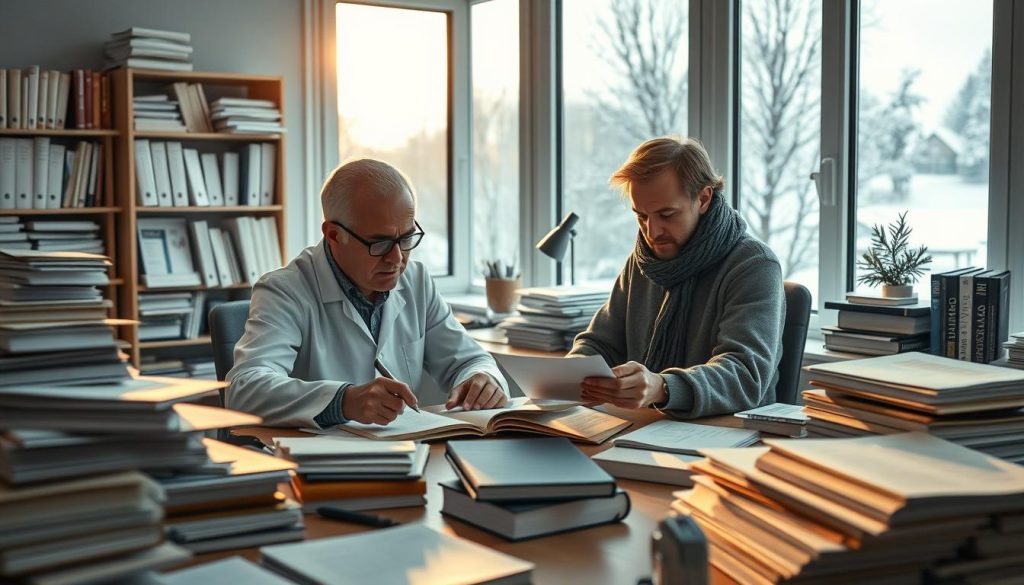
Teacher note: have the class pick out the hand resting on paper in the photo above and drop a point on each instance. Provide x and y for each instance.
(378, 402)
(634, 386)
(477, 392)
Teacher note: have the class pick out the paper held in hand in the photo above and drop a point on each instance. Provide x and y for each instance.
(547, 378)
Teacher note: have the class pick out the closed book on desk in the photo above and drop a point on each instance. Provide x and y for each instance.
(519, 521)
(527, 469)
(400, 555)
(645, 465)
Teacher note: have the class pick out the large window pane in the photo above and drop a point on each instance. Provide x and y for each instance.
(780, 130)
(495, 54)
(393, 105)
(624, 80)
(923, 116)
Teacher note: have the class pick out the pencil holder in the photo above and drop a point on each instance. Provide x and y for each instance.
(501, 294)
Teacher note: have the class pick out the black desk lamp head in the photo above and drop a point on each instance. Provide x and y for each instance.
(558, 239)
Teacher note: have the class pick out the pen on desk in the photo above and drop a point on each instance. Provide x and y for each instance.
(387, 374)
(350, 516)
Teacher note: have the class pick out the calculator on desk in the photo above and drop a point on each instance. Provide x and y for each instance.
(679, 553)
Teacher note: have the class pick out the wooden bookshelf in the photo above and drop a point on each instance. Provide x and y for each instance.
(62, 211)
(25, 132)
(124, 85)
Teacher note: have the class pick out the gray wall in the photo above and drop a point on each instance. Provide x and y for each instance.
(244, 36)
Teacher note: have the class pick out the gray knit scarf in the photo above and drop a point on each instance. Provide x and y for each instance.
(717, 232)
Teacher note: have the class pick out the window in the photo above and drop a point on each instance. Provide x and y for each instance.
(923, 119)
(395, 107)
(623, 81)
(495, 79)
(779, 131)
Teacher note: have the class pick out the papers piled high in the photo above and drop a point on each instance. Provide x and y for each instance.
(157, 112)
(975, 405)
(356, 474)
(549, 318)
(246, 116)
(779, 418)
(872, 509)
(53, 325)
(147, 48)
(1015, 350)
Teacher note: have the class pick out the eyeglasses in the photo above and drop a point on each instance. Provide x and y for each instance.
(383, 247)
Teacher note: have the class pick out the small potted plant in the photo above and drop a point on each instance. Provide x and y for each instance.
(891, 262)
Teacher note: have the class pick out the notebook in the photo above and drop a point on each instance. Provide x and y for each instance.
(686, 438)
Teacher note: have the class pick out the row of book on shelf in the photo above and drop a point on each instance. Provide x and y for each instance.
(191, 112)
(37, 173)
(50, 235)
(967, 318)
(168, 175)
(238, 250)
(35, 98)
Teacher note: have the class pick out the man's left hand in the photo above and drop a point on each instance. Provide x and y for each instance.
(634, 386)
(477, 392)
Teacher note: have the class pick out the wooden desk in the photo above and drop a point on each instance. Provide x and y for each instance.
(614, 553)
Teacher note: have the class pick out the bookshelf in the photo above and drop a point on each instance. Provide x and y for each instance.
(125, 85)
(106, 213)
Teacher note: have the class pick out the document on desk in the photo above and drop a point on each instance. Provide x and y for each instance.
(556, 418)
(686, 438)
(553, 378)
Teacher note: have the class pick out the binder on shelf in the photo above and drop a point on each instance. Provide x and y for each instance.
(146, 195)
(220, 257)
(40, 171)
(204, 251)
(268, 165)
(44, 99)
(32, 106)
(3, 98)
(55, 180)
(176, 170)
(230, 177)
(161, 174)
(211, 174)
(196, 184)
(52, 102)
(7, 166)
(14, 118)
(250, 175)
(23, 173)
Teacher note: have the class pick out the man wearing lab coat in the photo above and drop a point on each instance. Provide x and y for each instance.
(326, 331)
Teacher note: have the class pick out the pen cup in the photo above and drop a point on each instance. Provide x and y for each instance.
(501, 294)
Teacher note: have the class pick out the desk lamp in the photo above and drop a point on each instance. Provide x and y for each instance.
(561, 236)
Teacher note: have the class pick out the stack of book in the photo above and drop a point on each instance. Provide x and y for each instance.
(64, 236)
(53, 324)
(524, 488)
(870, 325)
(889, 509)
(246, 116)
(788, 420)
(550, 318)
(195, 110)
(661, 452)
(35, 98)
(37, 174)
(970, 314)
(168, 175)
(1015, 351)
(178, 315)
(974, 405)
(157, 112)
(73, 505)
(12, 234)
(147, 48)
(356, 474)
(233, 503)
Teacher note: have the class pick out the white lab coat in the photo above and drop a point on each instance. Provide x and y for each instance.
(304, 339)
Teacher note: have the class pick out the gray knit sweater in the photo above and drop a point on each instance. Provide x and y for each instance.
(733, 341)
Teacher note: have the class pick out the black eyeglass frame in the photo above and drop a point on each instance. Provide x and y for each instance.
(388, 243)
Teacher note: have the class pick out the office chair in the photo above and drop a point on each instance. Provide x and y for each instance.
(227, 323)
(794, 335)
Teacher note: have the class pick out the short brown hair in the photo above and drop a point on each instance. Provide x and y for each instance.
(686, 157)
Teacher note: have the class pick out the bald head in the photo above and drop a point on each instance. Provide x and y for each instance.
(362, 178)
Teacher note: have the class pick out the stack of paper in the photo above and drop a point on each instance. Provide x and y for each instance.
(662, 451)
(356, 474)
(12, 231)
(147, 48)
(157, 112)
(53, 324)
(779, 418)
(869, 509)
(246, 116)
(549, 318)
(232, 504)
(64, 236)
(975, 405)
(1015, 350)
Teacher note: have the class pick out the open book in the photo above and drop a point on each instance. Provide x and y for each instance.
(552, 417)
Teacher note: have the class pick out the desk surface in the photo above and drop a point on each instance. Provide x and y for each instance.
(614, 553)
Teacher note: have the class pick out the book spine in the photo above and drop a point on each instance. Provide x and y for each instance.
(1000, 317)
(80, 99)
(963, 329)
(979, 314)
(950, 290)
(936, 316)
(87, 88)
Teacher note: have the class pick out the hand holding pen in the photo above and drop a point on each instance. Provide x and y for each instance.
(379, 401)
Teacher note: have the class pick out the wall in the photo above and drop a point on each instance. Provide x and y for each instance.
(246, 36)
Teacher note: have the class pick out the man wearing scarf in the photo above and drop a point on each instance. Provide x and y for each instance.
(693, 326)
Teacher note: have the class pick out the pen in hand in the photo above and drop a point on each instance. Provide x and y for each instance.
(333, 513)
(387, 374)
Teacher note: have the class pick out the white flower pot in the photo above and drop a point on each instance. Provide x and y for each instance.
(894, 290)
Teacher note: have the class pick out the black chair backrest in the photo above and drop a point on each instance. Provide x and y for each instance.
(794, 335)
(227, 324)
